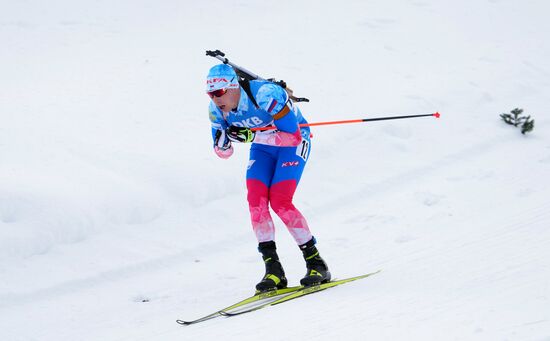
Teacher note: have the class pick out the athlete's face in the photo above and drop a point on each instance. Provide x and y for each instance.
(227, 100)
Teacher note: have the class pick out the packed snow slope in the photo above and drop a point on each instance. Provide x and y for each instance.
(116, 218)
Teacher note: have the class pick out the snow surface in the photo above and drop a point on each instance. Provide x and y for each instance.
(110, 194)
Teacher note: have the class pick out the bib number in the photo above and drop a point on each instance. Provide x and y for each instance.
(302, 149)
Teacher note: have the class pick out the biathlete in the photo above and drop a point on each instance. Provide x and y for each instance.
(276, 163)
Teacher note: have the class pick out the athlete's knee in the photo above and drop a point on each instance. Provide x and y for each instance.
(257, 193)
(280, 198)
(258, 206)
(281, 194)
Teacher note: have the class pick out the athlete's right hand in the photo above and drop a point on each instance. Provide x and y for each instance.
(222, 141)
(222, 145)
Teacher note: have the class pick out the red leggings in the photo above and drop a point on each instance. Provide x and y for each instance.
(279, 197)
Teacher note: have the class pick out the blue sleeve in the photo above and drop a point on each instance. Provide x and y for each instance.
(273, 98)
(287, 123)
(216, 119)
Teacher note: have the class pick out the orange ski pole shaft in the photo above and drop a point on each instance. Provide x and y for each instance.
(361, 120)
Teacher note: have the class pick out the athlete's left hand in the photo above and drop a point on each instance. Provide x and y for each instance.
(240, 134)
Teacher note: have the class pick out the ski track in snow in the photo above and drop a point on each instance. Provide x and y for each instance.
(435, 166)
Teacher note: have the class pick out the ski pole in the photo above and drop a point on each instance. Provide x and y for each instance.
(361, 120)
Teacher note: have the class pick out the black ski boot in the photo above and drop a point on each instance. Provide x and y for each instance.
(317, 269)
(274, 274)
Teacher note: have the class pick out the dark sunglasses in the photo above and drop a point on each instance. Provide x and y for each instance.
(217, 93)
